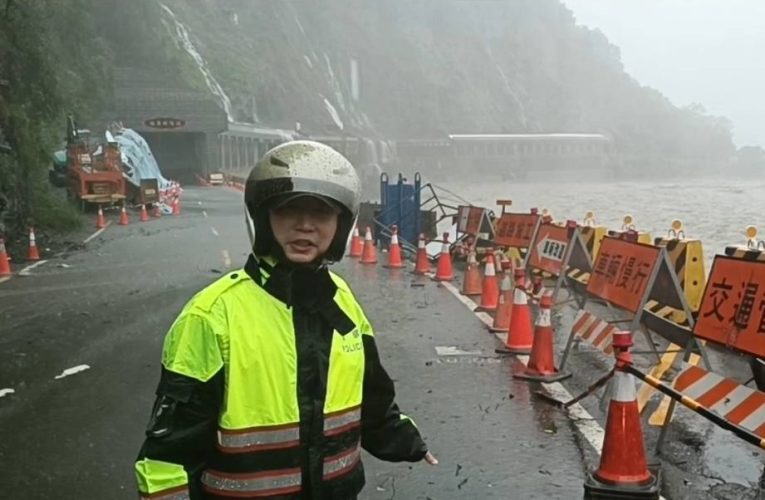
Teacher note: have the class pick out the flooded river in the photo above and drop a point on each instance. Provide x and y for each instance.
(714, 211)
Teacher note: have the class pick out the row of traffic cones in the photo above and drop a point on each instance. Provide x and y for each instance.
(623, 471)
(124, 220)
(33, 254)
(365, 250)
(505, 291)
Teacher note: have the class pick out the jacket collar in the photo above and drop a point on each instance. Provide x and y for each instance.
(294, 286)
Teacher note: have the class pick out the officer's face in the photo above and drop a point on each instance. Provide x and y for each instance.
(304, 227)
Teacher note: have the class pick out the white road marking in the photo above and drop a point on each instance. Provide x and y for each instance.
(581, 418)
(3, 280)
(95, 235)
(450, 350)
(204, 212)
(72, 371)
(5, 392)
(26, 270)
(226, 259)
(214, 231)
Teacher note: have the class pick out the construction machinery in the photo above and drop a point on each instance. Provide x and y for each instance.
(94, 174)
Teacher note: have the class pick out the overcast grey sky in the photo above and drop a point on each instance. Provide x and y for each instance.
(706, 51)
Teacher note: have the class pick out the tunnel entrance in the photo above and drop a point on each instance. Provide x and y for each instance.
(180, 155)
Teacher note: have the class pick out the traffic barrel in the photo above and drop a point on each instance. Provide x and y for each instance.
(422, 265)
(490, 288)
(471, 282)
(394, 251)
(369, 252)
(444, 270)
(541, 366)
(357, 245)
(623, 471)
(33, 253)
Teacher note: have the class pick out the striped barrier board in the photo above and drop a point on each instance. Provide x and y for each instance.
(736, 403)
(745, 253)
(594, 331)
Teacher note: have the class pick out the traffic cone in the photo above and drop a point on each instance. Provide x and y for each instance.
(422, 266)
(471, 282)
(357, 245)
(176, 206)
(124, 221)
(520, 337)
(5, 267)
(100, 219)
(444, 270)
(144, 214)
(504, 306)
(489, 288)
(394, 251)
(623, 471)
(33, 254)
(369, 252)
(541, 367)
(157, 212)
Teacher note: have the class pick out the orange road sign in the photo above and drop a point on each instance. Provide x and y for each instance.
(732, 312)
(622, 272)
(515, 230)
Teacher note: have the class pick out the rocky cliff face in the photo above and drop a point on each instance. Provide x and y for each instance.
(405, 69)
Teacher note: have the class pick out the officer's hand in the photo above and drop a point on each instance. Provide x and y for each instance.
(431, 459)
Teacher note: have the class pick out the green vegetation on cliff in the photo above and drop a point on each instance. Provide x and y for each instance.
(57, 58)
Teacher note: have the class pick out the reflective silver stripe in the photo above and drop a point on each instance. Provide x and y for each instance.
(341, 421)
(278, 482)
(260, 439)
(342, 463)
(172, 495)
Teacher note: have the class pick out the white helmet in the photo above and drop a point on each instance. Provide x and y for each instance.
(301, 167)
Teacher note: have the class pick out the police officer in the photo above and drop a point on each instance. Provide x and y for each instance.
(271, 380)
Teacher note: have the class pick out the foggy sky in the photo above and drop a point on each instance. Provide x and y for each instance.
(706, 51)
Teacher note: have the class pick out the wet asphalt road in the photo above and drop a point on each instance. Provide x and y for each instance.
(109, 306)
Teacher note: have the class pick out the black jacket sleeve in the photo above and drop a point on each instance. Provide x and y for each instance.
(183, 425)
(385, 432)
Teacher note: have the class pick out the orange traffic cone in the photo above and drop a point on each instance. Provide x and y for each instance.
(176, 206)
(521, 336)
(471, 283)
(394, 252)
(422, 266)
(124, 221)
(541, 367)
(623, 471)
(357, 245)
(490, 288)
(444, 270)
(144, 214)
(33, 254)
(157, 212)
(5, 267)
(369, 252)
(100, 219)
(504, 306)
